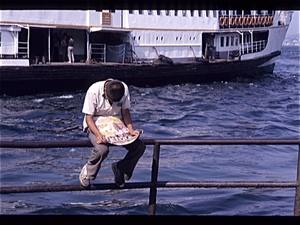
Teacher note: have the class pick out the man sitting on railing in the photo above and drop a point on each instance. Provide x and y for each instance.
(108, 98)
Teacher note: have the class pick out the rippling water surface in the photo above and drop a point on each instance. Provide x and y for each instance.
(267, 107)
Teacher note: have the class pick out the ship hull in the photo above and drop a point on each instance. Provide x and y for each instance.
(71, 77)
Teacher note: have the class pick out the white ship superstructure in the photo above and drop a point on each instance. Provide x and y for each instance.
(141, 35)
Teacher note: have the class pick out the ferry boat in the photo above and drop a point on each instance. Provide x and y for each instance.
(139, 47)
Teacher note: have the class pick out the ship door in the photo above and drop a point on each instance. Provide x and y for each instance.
(38, 44)
(116, 46)
(208, 46)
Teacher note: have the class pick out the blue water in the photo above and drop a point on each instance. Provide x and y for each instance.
(266, 107)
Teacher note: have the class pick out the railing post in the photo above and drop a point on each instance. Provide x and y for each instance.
(297, 195)
(154, 175)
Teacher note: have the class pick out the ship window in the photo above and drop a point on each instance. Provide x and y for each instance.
(130, 11)
(158, 12)
(157, 38)
(227, 40)
(139, 38)
(232, 41)
(176, 13)
(236, 40)
(140, 11)
(167, 12)
(161, 38)
(222, 42)
(149, 12)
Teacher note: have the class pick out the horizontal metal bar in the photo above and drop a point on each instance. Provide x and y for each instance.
(160, 184)
(45, 144)
(227, 184)
(64, 144)
(61, 188)
(228, 141)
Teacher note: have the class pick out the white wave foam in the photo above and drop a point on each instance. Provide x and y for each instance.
(38, 100)
(63, 97)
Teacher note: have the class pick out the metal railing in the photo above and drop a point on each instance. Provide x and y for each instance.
(97, 52)
(23, 50)
(154, 183)
(252, 47)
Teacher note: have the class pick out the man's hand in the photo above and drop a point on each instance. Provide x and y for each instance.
(100, 139)
(91, 124)
(136, 132)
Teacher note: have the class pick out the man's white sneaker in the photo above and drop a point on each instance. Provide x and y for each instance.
(85, 182)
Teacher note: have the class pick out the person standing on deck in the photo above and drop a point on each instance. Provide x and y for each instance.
(108, 98)
(71, 50)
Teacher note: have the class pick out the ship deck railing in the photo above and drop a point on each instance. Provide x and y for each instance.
(252, 47)
(97, 51)
(154, 183)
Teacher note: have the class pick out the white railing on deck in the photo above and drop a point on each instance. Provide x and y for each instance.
(23, 50)
(98, 51)
(253, 47)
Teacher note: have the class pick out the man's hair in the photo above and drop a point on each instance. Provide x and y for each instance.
(115, 90)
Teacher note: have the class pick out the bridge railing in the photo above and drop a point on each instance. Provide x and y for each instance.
(154, 183)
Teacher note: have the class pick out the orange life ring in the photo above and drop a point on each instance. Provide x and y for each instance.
(221, 21)
(232, 21)
(240, 21)
(248, 20)
(245, 21)
(236, 21)
(264, 20)
(255, 20)
(271, 20)
(260, 20)
(252, 21)
(226, 22)
(267, 21)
